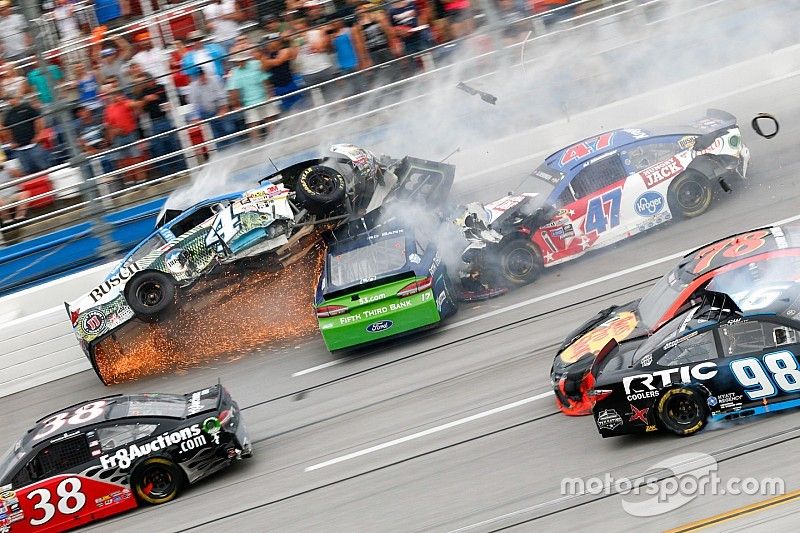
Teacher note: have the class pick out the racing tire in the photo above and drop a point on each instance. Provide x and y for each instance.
(682, 411)
(150, 293)
(451, 301)
(690, 195)
(157, 480)
(518, 262)
(320, 189)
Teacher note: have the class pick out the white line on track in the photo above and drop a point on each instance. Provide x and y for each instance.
(429, 431)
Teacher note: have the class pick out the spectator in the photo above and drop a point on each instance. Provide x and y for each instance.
(64, 13)
(208, 99)
(222, 18)
(241, 45)
(459, 14)
(122, 129)
(247, 86)
(91, 137)
(10, 170)
(113, 63)
(278, 61)
(313, 56)
(508, 15)
(272, 26)
(378, 35)
(206, 56)
(154, 102)
(13, 36)
(88, 87)
(349, 54)
(11, 83)
(405, 20)
(179, 77)
(41, 84)
(24, 131)
(152, 60)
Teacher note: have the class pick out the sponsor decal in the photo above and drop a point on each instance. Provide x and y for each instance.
(662, 171)
(729, 399)
(643, 395)
(687, 141)
(177, 260)
(440, 300)
(647, 360)
(715, 146)
(641, 383)
(212, 426)
(437, 260)
(93, 322)
(186, 439)
(608, 419)
(712, 401)
(414, 258)
(638, 415)
(195, 405)
(618, 327)
(124, 274)
(637, 133)
(650, 428)
(553, 179)
(380, 325)
(672, 344)
(649, 203)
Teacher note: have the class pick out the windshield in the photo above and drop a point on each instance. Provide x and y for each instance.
(659, 299)
(669, 331)
(9, 460)
(368, 262)
(146, 248)
(160, 406)
(541, 181)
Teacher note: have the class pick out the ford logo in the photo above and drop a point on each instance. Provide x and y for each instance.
(380, 325)
(649, 204)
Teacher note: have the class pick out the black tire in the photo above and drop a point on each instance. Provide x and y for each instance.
(690, 195)
(682, 411)
(320, 189)
(517, 262)
(150, 293)
(157, 480)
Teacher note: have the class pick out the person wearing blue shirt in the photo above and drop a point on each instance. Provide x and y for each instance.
(208, 56)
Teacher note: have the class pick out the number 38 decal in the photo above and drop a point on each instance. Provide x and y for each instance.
(80, 416)
(70, 500)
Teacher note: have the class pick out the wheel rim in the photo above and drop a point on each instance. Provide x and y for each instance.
(158, 482)
(683, 410)
(320, 183)
(150, 293)
(691, 195)
(519, 262)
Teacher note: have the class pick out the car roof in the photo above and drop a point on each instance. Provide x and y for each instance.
(590, 147)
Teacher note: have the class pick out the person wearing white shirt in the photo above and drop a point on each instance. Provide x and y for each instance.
(65, 20)
(221, 17)
(152, 60)
(12, 32)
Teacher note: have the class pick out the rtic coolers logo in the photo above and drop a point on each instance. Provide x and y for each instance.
(188, 438)
(647, 385)
(649, 204)
(123, 275)
(381, 325)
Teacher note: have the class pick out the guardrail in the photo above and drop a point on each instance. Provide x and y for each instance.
(40, 346)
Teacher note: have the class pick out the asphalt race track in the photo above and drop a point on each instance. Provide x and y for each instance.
(455, 429)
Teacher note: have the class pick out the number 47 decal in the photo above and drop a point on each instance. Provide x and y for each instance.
(602, 212)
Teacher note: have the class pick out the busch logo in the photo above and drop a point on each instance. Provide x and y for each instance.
(644, 382)
(189, 439)
(662, 171)
(124, 274)
(649, 204)
(381, 325)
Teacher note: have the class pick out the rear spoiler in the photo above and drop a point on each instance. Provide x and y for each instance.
(207, 399)
(715, 124)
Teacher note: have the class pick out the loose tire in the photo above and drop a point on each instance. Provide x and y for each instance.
(690, 195)
(518, 262)
(682, 411)
(157, 480)
(320, 189)
(150, 293)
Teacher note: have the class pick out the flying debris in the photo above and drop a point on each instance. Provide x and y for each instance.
(757, 127)
(486, 97)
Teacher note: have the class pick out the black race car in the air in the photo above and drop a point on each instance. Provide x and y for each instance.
(729, 357)
(106, 456)
(725, 266)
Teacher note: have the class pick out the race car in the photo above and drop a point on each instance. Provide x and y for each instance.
(728, 358)
(106, 456)
(271, 226)
(749, 257)
(600, 191)
(381, 278)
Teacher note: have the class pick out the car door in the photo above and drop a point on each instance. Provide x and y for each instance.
(594, 213)
(761, 356)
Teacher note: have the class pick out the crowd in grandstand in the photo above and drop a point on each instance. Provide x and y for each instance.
(130, 83)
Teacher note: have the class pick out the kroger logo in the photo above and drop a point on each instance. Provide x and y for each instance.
(649, 204)
(381, 325)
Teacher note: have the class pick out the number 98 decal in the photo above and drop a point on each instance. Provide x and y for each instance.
(781, 372)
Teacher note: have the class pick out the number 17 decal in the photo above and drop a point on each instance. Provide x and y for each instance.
(602, 212)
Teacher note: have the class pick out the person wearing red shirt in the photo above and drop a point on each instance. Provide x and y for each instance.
(179, 77)
(122, 128)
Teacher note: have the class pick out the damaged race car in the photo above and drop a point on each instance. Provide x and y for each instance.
(272, 226)
(728, 358)
(600, 191)
(725, 265)
(106, 456)
(380, 279)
